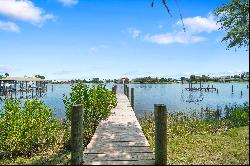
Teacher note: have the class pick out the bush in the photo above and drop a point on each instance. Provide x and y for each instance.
(27, 129)
(238, 116)
(98, 102)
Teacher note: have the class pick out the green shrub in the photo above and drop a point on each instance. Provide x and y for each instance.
(238, 116)
(27, 129)
(98, 102)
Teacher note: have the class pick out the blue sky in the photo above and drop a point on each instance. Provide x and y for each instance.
(68, 39)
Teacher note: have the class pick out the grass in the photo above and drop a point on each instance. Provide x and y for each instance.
(192, 140)
(229, 147)
(60, 157)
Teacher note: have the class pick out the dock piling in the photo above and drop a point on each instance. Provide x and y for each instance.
(127, 91)
(132, 98)
(76, 134)
(124, 88)
(114, 87)
(160, 134)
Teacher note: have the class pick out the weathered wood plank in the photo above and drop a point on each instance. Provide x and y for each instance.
(120, 149)
(125, 162)
(115, 156)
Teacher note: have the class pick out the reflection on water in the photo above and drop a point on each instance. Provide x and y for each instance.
(174, 96)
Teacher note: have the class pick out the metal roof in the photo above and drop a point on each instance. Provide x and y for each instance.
(21, 79)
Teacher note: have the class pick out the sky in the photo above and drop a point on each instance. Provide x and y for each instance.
(82, 39)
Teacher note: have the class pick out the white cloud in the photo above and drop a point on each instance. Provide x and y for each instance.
(9, 26)
(92, 50)
(24, 10)
(160, 26)
(135, 74)
(134, 32)
(193, 25)
(104, 46)
(68, 3)
(64, 72)
(169, 38)
(5, 69)
(200, 24)
(95, 49)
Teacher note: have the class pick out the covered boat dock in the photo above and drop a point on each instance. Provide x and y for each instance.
(9, 85)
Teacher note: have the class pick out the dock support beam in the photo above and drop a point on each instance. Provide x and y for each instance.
(127, 92)
(132, 98)
(160, 113)
(76, 135)
(124, 87)
(114, 87)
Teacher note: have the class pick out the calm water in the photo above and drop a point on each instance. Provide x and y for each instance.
(174, 96)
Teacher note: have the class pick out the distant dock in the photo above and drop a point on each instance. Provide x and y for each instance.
(207, 89)
(16, 87)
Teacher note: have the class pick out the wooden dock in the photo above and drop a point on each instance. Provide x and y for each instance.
(119, 140)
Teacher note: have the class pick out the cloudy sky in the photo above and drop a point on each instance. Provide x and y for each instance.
(68, 39)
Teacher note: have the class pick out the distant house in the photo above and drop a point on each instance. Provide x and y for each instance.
(246, 76)
(178, 81)
(122, 80)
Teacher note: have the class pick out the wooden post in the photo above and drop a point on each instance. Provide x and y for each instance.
(217, 91)
(247, 86)
(127, 91)
(3, 86)
(124, 87)
(232, 88)
(15, 86)
(241, 93)
(114, 89)
(52, 87)
(76, 135)
(160, 134)
(132, 98)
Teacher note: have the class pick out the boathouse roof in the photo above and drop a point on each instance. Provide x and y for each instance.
(21, 79)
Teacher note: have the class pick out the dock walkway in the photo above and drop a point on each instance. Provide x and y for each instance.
(119, 140)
